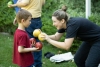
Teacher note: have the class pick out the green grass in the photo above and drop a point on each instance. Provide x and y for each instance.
(6, 49)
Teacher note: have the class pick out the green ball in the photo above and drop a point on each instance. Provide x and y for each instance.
(10, 2)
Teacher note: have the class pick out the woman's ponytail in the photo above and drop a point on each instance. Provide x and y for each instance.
(64, 8)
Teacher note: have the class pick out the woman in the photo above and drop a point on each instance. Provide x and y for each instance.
(88, 54)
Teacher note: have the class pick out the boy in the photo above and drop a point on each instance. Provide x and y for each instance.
(35, 8)
(22, 50)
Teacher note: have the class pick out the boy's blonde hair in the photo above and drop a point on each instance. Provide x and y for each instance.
(22, 14)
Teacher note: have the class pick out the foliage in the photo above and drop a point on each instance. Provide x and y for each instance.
(76, 8)
(6, 17)
(95, 6)
(95, 18)
(48, 9)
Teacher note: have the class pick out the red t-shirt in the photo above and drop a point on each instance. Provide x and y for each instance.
(22, 59)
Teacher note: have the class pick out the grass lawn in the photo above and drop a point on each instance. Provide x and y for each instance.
(6, 49)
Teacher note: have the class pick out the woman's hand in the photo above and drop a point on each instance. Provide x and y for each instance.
(44, 36)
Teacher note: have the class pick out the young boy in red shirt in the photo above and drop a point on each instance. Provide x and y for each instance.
(22, 55)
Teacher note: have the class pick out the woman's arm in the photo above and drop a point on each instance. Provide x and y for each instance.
(63, 45)
(56, 36)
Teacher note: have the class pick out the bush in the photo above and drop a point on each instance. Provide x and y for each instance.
(95, 18)
(6, 17)
(76, 8)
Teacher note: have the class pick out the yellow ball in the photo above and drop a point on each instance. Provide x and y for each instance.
(36, 32)
(39, 37)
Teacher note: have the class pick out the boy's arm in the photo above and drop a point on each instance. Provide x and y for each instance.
(22, 49)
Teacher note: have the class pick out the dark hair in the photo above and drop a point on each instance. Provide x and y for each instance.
(22, 14)
(64, 8)
(61, 14)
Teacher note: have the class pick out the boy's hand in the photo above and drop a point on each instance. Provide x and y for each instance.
(38, 45)
(35, 49)
(15, 22)
(32, 41)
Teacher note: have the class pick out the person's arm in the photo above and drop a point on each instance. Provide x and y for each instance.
(21, 49)
(63, 45)
(56, 36)
(43, 2)
(19, 3)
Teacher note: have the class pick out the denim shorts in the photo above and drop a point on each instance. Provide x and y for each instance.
(35, 24)
(16, 8)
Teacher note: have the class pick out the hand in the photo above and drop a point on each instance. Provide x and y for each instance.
(12, 5)
(32, 41)
(15, 22)
(44, 36)
(35, 49)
